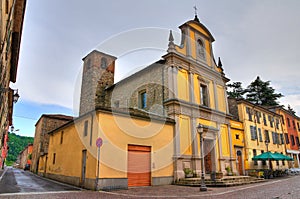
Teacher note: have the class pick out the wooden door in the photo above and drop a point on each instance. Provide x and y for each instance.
(139, 165)
(240, 162)
(207, 162)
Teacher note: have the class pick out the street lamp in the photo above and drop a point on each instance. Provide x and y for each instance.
(200, 130)
(16, 95)
(267, 144)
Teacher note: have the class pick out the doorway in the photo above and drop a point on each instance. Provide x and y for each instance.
(239, 161)
(139, 165)
(83, 167)
(208, 155)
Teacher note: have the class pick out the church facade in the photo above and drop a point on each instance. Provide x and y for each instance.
(148, 121)
(186, 85)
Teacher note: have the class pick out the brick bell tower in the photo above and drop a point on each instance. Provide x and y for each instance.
(98, 73)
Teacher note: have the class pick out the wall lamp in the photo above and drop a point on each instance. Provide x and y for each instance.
(16, 95)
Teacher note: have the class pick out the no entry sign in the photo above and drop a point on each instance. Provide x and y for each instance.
(99, 142)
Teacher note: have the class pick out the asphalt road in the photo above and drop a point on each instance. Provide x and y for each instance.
(20, 181)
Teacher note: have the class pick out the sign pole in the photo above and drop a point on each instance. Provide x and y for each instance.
(99, 143)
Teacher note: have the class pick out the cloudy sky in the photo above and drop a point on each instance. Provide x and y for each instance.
(257, 37)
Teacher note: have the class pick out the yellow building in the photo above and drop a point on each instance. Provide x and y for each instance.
(185, 85)
(198, 96)
(137, 150)
(182, 90)
(237, 134)
(263, 132)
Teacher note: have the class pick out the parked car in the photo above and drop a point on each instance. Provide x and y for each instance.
(27, 167)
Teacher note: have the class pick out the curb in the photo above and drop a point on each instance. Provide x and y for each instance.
(5, 169)
(57, 182)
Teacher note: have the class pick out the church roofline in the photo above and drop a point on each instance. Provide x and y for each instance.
(199, 24)
(161, 61)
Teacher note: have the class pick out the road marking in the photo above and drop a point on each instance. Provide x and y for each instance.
(35, 193)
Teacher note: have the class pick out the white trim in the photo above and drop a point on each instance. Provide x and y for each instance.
(292, 151)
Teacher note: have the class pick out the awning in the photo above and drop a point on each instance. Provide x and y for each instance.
(266, 156)
(284, 157)
(272, 156)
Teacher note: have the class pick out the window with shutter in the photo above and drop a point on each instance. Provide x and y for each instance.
(274, 138)
(260, 135)
(287, 141)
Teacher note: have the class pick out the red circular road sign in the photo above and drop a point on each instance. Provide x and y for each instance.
(99, 142)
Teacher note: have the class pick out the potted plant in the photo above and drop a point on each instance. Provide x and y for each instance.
(229, 171)
(188, 172)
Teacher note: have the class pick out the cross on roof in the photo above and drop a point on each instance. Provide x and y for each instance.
(195, 7)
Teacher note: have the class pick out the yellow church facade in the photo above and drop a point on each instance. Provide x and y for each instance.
(147, 121)
(198, 97)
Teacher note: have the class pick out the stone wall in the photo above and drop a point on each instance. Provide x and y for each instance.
(97, 75)
(44, 125)
(153, 80)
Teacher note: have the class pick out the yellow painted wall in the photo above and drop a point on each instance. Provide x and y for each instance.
(225, 140)
(185, 135)
(193, 44)
(198, 28)
(257, 144)
(183, 85)
(68, 155)
(207, 123)
(42, 163)
(221, 99)
(237, 128)
(211, 95)
(117, 132)
(181, 50)
(196, 89)
(208, 52)
(210, 88)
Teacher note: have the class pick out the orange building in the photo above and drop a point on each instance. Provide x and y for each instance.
(291, 127)
(25, 156)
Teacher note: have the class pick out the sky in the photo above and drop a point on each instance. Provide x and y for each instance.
(257, 37)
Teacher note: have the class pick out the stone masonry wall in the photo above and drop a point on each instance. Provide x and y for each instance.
(153, 80)
(41, 138)
(95, 78)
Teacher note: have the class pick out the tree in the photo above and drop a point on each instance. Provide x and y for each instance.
(237, 90)
(261, 93)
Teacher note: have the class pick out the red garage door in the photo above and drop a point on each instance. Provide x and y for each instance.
(139, 169)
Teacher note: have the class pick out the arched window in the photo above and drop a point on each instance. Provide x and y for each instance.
(200, 49)
(103, 63)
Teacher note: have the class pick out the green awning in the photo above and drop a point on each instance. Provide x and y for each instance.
(266, 156)
(284, 157)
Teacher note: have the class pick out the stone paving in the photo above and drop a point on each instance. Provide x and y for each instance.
(278, 188)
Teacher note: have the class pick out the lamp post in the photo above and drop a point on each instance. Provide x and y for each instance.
(15, 96)
(200, 131)
(267, 144)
